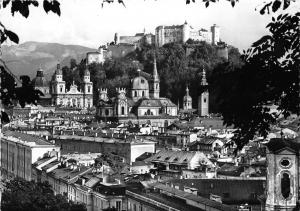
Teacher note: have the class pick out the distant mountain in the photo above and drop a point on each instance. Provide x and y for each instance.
(25, 58)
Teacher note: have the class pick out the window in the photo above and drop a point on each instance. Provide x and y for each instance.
(285, 185)
(61, 89)
(122, 110)
(204, 100)
(143, 93)
(142, 81)
(118, 205)
(135, 93)
(148, 112)
(89, 89)
(106, 112)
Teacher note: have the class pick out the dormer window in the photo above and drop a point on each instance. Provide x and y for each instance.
(142, 81)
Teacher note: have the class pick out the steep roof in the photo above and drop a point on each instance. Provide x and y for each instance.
(277, 144)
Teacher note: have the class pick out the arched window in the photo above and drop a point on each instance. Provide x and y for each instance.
(285, 185)
(122, 110)
(135, 93)
(143, 93)
(148, 112)
(204, 100)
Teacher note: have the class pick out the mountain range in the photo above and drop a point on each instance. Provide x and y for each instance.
(26, 58)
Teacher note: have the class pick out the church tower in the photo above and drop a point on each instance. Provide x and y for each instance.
(87, 90)
(203, 100)
(154, 83)
(121, 105)
(58, 87)
(282, 183)
(187, 100)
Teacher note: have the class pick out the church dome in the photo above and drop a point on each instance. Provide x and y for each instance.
(139, 83)
(40, 80)
(187, 98)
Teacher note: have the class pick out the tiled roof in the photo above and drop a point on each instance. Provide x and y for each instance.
(167, 102)
(237, 190)
(277, 144)
(92, 182)
(149, 103)
(26, 137)
(178, 157)
(192, 197)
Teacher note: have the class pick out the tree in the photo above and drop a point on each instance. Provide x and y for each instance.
(24, 195)
(270, 75)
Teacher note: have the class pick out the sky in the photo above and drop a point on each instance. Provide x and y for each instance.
(85, 22)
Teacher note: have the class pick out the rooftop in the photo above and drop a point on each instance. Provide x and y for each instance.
(26, 139)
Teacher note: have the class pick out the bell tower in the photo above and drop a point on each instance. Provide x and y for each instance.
(187, 100)
(203, 100)
(121, 106)
(282, 175)
(87, 86)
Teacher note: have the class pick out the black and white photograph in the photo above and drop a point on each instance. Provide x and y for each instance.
(150, 105)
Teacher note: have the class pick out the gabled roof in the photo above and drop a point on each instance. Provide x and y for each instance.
(276, 145)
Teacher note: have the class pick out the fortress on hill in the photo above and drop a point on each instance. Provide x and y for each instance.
(124, 44)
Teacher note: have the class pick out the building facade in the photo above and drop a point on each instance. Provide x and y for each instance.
(82, 98)
(282, 175)
(19, 151)
(181, 33)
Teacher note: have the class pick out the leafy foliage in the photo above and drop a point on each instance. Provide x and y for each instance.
(21, 195)
(178, 65)
(269, 76)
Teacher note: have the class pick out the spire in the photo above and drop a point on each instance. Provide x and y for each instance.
(155, 74)
(187, 91)
(203, 81)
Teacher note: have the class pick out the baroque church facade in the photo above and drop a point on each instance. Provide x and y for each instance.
(55, 92)
(142, 105)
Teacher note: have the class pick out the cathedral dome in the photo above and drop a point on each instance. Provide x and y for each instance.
(187, 98)
(40, 80)
(140, 83)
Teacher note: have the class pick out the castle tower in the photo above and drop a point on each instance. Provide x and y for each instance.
(121, 105)
(203, 100)
(154, 83)
(215, 32)
(159, 36)
(117, 39)
(282, 183)
(187, 100)
(185, 32)
(87, 90)
(103, 94)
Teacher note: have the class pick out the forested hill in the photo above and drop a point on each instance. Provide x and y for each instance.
(175, 68)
